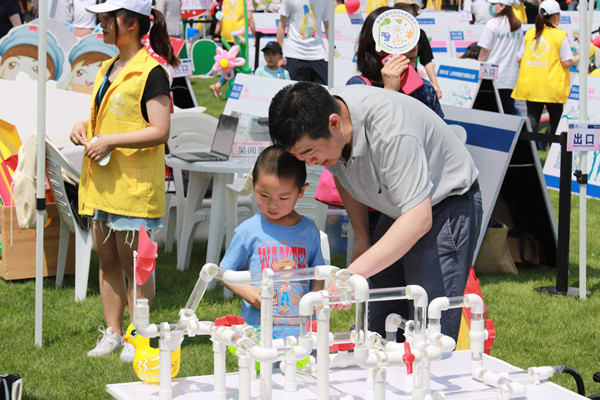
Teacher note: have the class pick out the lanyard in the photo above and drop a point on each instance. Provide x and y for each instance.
(99, 95)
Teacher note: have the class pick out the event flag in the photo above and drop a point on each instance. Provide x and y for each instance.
(146, 257)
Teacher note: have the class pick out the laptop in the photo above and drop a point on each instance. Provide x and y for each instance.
(221, 144)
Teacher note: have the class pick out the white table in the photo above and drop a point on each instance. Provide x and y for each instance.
(450, 375)
(222, 173)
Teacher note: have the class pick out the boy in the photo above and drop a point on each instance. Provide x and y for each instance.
(277, 237)
(273, 56)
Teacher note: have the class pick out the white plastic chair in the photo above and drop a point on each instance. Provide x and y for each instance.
(307, 206)
(190, 131)
(56, 164)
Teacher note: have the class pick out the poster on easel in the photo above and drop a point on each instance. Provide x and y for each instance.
(459, 80)
(571, 115)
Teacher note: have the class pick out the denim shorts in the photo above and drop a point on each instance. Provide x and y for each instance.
(118, 222)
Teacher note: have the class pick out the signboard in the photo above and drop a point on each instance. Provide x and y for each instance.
(252, 94)
(439, 40)
(583, 137)
(570, 116)
(491, 138)
(193, 8)
(459, 80)
(461, 36)
(488, 71)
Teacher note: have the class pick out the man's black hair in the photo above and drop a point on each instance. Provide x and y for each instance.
(299, 110)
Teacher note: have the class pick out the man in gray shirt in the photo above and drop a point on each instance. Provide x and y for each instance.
(390, 152)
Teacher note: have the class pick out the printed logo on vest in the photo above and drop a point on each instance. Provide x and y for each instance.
(539, 47)
(116, 102)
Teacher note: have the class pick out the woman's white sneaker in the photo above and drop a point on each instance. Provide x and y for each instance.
(107, 343)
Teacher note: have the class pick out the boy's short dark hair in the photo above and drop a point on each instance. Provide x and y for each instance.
(299, 110)
(274, 160)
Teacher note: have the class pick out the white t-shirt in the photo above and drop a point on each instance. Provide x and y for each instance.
(480, 9)
(82, 18)
(304, 38)
(504, 46)
(64, 11)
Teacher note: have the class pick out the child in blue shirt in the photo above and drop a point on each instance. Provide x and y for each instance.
(277, 237)
(273, 55)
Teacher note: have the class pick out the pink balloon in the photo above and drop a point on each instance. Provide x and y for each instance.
(352, 6)
(596, 41)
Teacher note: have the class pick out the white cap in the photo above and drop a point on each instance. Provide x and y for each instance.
(143, 7)
(549, 7)
(505, 2)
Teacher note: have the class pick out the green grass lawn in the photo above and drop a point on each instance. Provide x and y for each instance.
(533, 329)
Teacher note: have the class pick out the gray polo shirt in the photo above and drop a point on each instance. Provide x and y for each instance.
(401, 152)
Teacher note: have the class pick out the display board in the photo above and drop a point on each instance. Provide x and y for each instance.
(252, 95)
(571, 114)
(459, 80)
(461, 36)
(510, 167)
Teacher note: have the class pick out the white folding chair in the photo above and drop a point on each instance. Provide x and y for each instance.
(190, 131)
(56, 165)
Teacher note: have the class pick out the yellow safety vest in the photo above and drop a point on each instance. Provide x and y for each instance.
(542, 77)
(520, 13)
(233, 18)
(437, 6)
(375, 4)
(133, 181)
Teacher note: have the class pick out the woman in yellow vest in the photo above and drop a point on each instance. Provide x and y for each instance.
(122, 173)
(544, 72)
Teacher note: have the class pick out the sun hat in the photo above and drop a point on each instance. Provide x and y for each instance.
(415, 3)
(549, 7)
(273, 46)
(143, 7)
(505, 2)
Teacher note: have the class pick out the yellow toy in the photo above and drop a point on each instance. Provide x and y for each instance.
(146, 363)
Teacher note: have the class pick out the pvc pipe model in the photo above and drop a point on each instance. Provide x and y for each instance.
(266, 324)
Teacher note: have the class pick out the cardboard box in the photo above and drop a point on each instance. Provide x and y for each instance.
(18, 261)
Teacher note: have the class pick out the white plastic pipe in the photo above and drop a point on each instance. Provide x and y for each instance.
(419, 298)
(142, 319)
(220, 391)
(207, 274)
(393, 322)
(323, 316)
(237, 277)
(245, 365)
(379, 378)
(165, 392)
(266, 325)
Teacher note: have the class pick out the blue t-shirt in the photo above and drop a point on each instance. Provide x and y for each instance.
(280, 73)
(258, 244)
(426, 94)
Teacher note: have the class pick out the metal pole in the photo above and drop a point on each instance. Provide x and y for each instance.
(40, 191)
(564, 217)
(584, 51)
(331, 41)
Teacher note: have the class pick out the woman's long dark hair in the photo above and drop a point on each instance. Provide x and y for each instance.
(368, 61)
(159, 38)
(542, 21)
(513, 21)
